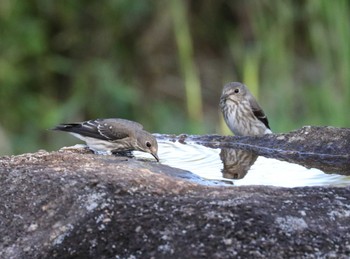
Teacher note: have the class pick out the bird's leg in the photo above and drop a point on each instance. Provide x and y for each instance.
(123, 153)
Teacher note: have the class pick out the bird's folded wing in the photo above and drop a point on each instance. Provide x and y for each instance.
(104, 129)
(113, 132)
(259, 113)
(122, 122)
(98, 129)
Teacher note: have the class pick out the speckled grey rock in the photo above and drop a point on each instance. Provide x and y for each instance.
(75, 205)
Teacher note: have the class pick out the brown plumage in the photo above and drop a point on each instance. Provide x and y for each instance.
(113, 135)
(241, 111)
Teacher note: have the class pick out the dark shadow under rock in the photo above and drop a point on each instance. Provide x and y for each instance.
(72, 205)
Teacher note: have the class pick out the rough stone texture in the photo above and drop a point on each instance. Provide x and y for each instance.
(326, 148)
(71, 204)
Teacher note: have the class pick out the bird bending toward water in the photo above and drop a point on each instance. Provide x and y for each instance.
(241, 111)
(113, 135)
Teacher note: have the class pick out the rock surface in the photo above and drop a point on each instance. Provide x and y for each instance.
(71, 204)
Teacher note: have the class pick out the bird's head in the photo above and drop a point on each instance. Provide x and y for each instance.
(233, 91)
(146, 142)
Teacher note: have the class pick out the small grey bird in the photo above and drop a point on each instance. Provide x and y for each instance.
(241, 111)
(236, 162)
(113, 135)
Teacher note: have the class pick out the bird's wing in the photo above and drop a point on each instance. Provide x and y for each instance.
(258, 112)
(105, 129)
(124, 122)
(114, 130)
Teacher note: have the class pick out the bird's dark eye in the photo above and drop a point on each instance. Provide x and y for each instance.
(236, 90)
(148, 144)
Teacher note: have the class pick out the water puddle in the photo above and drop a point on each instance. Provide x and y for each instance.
(241, 167)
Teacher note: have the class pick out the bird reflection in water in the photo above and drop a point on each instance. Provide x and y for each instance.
(236, 162)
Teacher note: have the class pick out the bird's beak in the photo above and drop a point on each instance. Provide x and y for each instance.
(225, 96)
(155, 156)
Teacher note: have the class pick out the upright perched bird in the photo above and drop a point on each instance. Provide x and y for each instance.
(113, 135)
(242, 112)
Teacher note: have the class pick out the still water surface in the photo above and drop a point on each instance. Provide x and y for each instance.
(241, 167)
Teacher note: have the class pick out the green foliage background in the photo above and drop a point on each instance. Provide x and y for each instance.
(163, 63)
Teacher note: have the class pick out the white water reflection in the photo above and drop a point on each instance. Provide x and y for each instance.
(206, 163)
